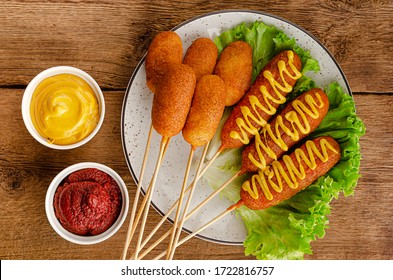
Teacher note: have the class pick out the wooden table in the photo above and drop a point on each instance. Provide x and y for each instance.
(107, 39)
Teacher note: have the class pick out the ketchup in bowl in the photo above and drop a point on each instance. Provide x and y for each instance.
(87, 202)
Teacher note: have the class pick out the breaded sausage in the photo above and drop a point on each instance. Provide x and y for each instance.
(206, 110)
(166, 48)
(291, 174)
(297, 120)
(202, 57)
(260, 103)
(172, 100)
(234, 67)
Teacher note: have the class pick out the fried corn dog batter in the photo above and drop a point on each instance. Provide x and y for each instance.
(165, 49)
(234, 67)
(172, 99)
(202, 57)
(206, 110)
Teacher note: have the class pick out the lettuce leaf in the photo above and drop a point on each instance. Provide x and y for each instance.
(285, 231)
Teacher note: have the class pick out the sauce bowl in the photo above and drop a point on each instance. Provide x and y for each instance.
(28, 96)
(85, 239)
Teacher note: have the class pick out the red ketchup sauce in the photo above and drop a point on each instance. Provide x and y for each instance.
(87, 202)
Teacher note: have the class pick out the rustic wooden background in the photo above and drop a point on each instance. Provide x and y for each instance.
(107, 39)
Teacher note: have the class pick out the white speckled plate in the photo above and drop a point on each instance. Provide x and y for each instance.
(136, 120)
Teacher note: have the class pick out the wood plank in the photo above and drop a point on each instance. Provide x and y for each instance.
(360, 226)
(108, 38)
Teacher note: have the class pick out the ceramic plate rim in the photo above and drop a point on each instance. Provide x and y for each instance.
(141, 62)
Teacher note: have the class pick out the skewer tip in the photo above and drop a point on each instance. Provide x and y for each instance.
(242, 172)
(221, 149)
(235, 206)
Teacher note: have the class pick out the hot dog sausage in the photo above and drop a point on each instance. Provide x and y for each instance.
(234, 67)
(297, 120)
(202, 57)
(206, 110)
(166, 48)
(260, 103)
(291, 174)
(172, 99)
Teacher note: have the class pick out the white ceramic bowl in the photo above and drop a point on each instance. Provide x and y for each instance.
(27, 96)
(79, 239)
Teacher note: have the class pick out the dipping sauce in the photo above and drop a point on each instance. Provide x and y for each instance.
(87, 202)
(64, 109)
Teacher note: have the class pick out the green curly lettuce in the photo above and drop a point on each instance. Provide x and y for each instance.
(285, 231)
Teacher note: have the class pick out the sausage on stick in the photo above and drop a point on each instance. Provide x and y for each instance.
(284, 178)
(165, 49)
(205, 114)
(171, 104)
(168, 119)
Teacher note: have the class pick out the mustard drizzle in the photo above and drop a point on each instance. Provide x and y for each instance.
(264, 178)
(294, 117)
(244, 123)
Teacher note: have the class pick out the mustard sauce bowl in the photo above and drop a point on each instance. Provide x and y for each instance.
(63, 107)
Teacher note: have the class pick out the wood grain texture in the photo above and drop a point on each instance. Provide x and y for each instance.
(360, 225)
(107, 39)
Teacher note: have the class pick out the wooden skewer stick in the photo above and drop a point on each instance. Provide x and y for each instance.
(142, 206)
(140, 212)
(200, 205)
(163, 147)
(188, 237)
(179, 204)
(131, 232)
(165, 217)
(178, 227)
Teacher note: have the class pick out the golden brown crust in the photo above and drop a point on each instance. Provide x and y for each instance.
(230, 124)
(248, 166)
(234, 67)
(172, 100)
(165, 49)
(202, 57)
(311, 175)
(206, 111)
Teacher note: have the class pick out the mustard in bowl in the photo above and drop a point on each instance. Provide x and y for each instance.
(63, 107)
